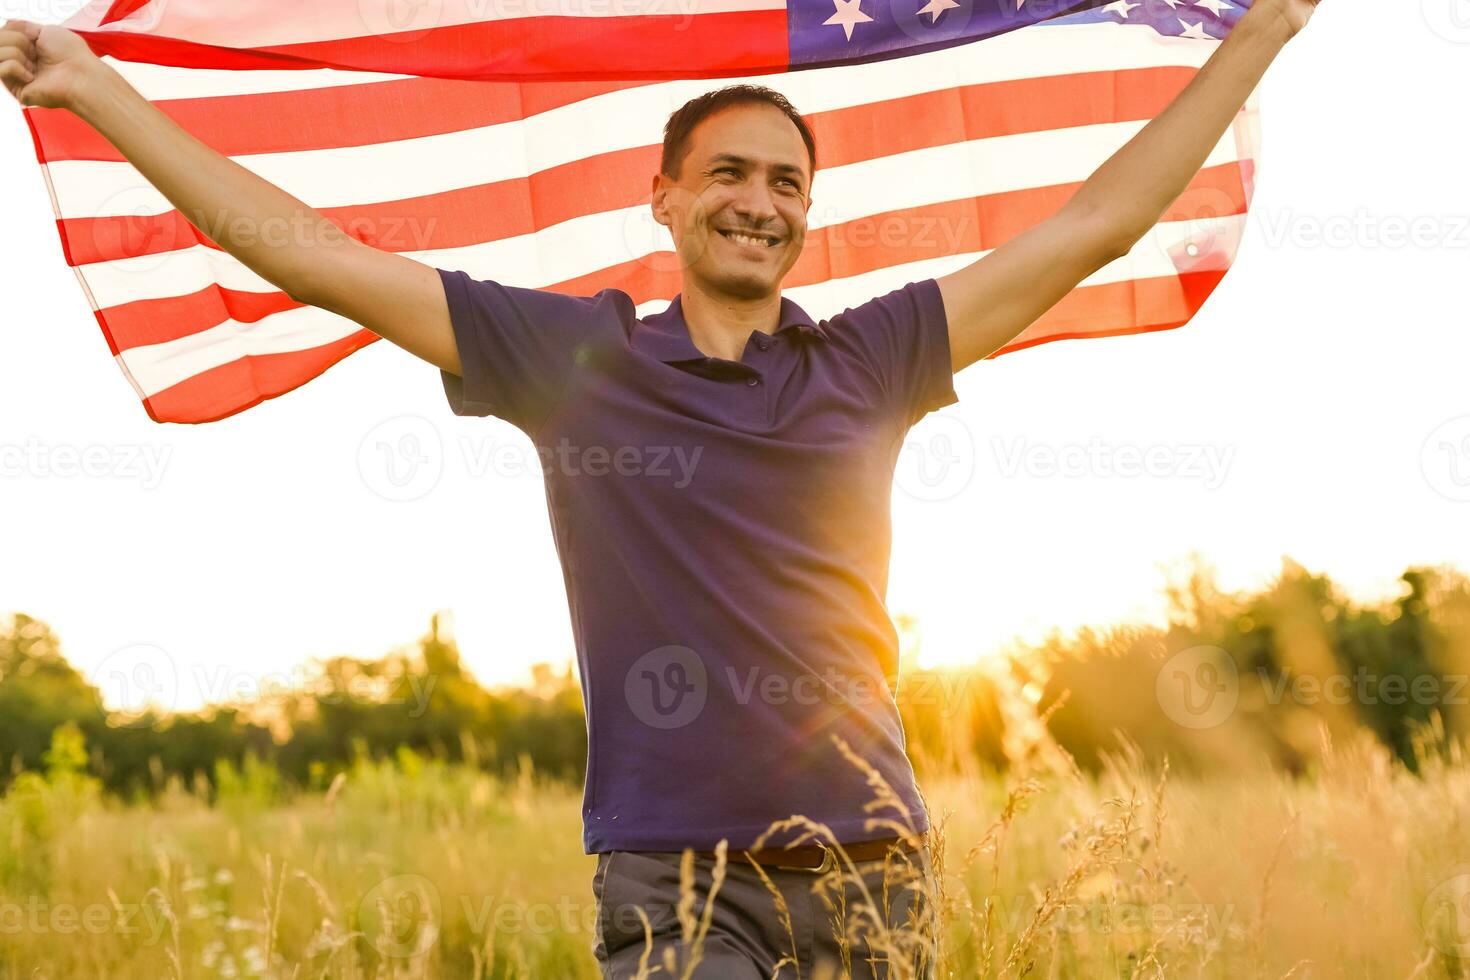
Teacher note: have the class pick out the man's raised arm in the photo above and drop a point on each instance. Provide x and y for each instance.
(991, 300)
(393, 296)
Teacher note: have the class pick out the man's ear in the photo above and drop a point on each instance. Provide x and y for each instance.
(657, 203)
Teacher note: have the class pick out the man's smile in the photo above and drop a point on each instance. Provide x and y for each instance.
(750, 240)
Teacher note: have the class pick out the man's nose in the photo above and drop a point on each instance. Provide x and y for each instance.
(757, 205)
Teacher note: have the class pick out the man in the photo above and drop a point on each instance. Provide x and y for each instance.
(719, 487)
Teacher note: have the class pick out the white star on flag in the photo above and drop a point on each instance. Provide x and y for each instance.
(849, 13)
(1121, 8)
(1196, 31)
(1173, 3)
(936, 7)
(1214, 6)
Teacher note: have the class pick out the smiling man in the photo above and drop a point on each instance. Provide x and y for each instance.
(738, 663)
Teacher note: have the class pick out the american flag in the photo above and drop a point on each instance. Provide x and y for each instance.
(516, 139)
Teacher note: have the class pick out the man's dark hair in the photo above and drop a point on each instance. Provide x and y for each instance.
(681, 124)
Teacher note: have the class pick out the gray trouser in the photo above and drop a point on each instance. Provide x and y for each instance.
(886, 926)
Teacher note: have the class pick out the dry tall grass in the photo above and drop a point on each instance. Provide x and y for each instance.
(416, 869)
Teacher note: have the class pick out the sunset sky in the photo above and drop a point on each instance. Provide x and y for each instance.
(1317, 407)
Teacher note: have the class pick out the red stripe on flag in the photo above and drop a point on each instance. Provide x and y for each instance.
(742, 42)
(232, 388)
(156, 321)
(1120, 309)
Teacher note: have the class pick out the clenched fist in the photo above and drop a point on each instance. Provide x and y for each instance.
(44, 66)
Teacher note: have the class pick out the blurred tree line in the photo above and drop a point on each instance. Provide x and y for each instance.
(1276, 676)
(1267, 677)
(1273, 677)
(422, 700)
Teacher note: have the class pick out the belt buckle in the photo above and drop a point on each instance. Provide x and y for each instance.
(829, 861)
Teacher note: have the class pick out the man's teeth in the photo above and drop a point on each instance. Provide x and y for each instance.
(747, 239)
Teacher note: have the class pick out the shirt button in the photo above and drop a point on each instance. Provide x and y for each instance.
(763, 344)
(753, 382)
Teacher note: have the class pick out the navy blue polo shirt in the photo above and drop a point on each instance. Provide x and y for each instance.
(724, 532)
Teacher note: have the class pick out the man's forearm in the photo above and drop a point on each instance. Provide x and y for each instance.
(235, 208)
(1137, 184)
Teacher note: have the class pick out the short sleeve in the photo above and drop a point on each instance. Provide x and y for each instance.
(517, 346)
(903, 337)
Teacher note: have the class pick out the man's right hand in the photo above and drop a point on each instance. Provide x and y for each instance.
(44, 66)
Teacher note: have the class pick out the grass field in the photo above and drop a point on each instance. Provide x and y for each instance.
(1361, 870)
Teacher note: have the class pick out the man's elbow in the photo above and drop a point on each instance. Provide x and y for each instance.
(301, 293)
(1104, 236)
(321, 276)
(310, 288)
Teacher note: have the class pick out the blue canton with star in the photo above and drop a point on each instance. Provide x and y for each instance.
(825, 32)
(1202, 19)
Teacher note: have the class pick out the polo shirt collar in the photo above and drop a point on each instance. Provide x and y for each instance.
(666, 335)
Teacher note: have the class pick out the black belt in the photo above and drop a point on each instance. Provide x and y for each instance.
(817, 857)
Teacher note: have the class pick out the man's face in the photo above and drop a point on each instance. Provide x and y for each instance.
(747, 169)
